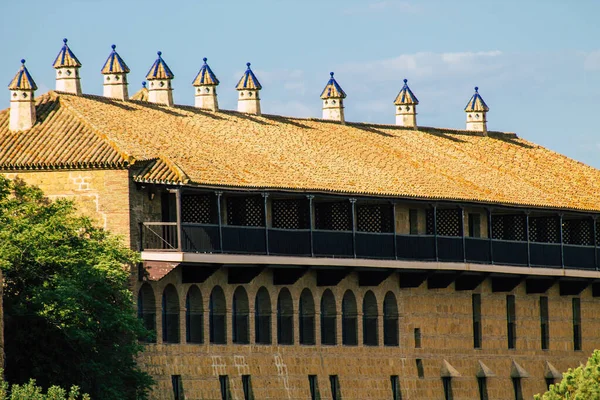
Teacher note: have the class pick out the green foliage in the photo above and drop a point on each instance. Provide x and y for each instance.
(69, 316)
(30, 391)
(581, 383)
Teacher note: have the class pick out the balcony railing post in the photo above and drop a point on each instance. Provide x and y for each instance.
(178, 216)
(353, 204)
(435, 239)
(490, 234)
(265, 197)
(310, 198)
(527, 237)
(141, 240)
(394, 229)
(562, 247)
(220, 220)
(462, 232)
(594, 241)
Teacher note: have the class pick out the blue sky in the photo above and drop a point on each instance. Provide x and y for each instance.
(537, 63)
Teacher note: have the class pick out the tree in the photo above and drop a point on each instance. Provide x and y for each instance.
(30, 391)
(69, 315)
(581, 383)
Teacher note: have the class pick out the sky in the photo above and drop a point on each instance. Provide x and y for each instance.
(537, 63)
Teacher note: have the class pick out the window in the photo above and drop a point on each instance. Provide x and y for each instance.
(147, 311)
(306, 317)
(333, 216)
(349, 317)
(245, 211)
(313, 384)
(576, 324)
(285, 317)
(474, 225)
(447, 383)
(511, 325)
(413, 220)
(390, 320)
(224, 383)
(177, 387)
(517, 389)
(374, 218)
(170, 315)
(420, 371)
(396, 394)
(247, 387)
(194, 316)
(549, 382)
(545, 329)
(217, 321)
(239, 317)
(417, 338)
(477, 321)
(370, 320)
(328, 319)
(482, 385)
(262, 317)
(290, 213)
(335, 387)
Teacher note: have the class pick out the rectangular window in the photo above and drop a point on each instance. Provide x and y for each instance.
(518, 391)
(247, 387)
(413, 220)
(177, 387)
(511, 321)
(396, 394)
(420, 370)
(313, 384)
(447, 382)
(335, 387)
(224, 383)
(482, 384)
(549, 382)
(417, 338)
(576, 324)
(477, 321)
(474, 225)
(544, 323)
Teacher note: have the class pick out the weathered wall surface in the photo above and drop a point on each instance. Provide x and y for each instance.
(443, 315)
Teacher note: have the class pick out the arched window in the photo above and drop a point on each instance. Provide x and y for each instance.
(262, 317)
(328, 318)
(194, 316)
(306, 318)
(349, 323)
(370, 320)
(390, 320)
(239, 317)
(147, 311)
(170, 315)
(285, 317)
(217, 321)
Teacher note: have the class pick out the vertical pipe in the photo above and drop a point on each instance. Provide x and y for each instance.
(394, 230)
(562, 247)
(353, 204)
(462, 232)
(220, 220)
(310, 223)
(490, 234)
(266, 220)
(141, 241)
(527, 237)
(178, 213)
(435, 240)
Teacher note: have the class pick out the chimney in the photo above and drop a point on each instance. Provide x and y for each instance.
(22, 104)
(67, 71)
(248, 88)
(115, 76)
(159, 81)
(206, 88)
(333, 100)
(406, 107)
(476, 110)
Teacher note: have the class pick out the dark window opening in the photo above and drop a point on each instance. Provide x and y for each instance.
(511, 321)
(544, 323)
(224, 384)
(306, 316)
(544, 229)
(245, 211)
(413, 220)
(170, 315)
(247, 387)
(199, 208)
(177, 387)
(477, 321)
(420, 370)
(328, 319)
(396, 393)
(374, 218)
(313, 384)
(448, 222)
(349, 320)
(335, 387)
(390, 320)
(447, 383)
(147, 312)
(576, 324)
(262, 317)
(370, 320)
(217, 316)
(239, 317)
(168, 209)
(290, 213)
(578, 231)
(285, 318)
(194, 316)
(417, 338)
(333, 216)
(517, 389)
(509, 227)
(549, 382)
(474, 225)
(482, 385)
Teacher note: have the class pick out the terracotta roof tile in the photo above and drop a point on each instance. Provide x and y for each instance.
(22, 80)
(231, 149)
(142, 94)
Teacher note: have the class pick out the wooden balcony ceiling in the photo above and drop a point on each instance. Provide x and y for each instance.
(185, 145)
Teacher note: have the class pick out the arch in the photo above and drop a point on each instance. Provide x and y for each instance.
(285, 317)
(349, 320)
(170, 315)
(370, 320)
(306, 317)
(390, 320)
(217, 321)
(146, 303)
(262, 317)
(239, 317)
(194, 316)
(328, 318)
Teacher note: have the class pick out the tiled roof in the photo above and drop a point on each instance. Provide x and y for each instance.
(476, 103)
(142, 94)
(114, 64)
(160, 69)
(66, 58)
(406, 96)
(248, 80)
(22, 80)
(205, 76)
(187, 145)
(332, 90)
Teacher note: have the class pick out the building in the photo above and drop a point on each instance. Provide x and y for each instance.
(290, 258)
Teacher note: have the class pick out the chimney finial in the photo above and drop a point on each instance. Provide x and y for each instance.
(22, 103)
(333, 100)
(476, 110)
(248, 89)
(67, 71)
(406, 107)
(115, 76)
